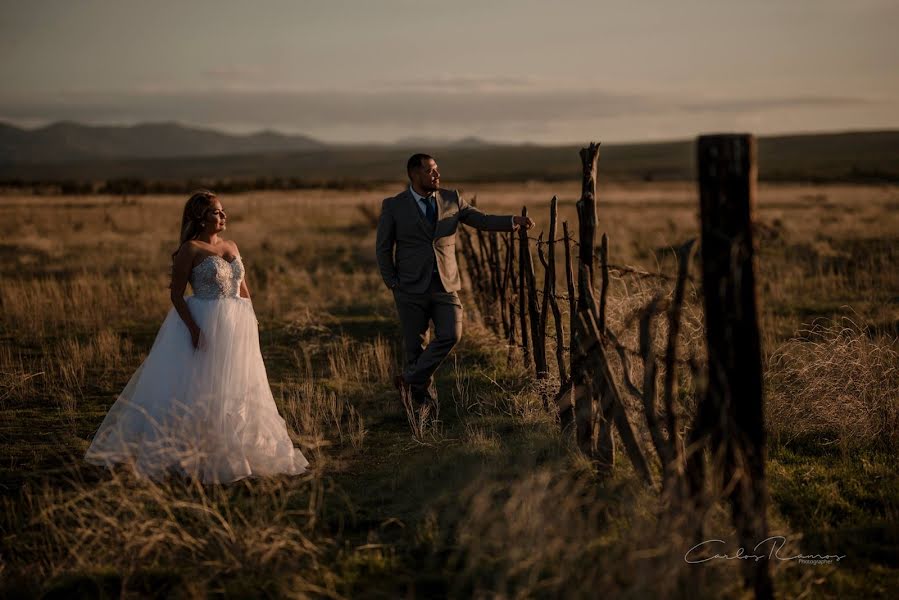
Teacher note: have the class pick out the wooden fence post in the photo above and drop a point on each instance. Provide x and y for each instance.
(572, 310)
(732, 415)
(510, 285)
(611, 406)
(549, 291)
(585, 407)
(586, 210)
(500, 294)
(522, 296)
(538, 336)
(567, 390)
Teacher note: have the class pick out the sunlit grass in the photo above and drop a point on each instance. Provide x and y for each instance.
(493, 500)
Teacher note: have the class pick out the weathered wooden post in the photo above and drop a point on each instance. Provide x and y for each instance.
(731, 416)
(565, 399)
(509, 283)
(497, 268)
(522, 296)
(569, 279)
(586, 211)
(585, 407)
(549, 291)
(538, 338)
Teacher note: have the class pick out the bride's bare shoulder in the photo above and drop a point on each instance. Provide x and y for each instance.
(191, 247)
(187, 251)
(232, 246)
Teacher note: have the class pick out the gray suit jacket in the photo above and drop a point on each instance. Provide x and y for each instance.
(404, 229)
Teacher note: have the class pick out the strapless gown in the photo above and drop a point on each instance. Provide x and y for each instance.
(207, 413)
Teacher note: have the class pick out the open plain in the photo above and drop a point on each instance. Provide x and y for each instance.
(495, 501)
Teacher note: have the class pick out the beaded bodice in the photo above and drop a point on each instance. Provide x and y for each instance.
(216, 277)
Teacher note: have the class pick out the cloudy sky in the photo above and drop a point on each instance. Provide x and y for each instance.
(504, 70)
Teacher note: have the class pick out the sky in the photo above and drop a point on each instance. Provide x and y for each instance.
(550, 72)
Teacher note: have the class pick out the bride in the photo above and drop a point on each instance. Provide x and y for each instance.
(200, 404)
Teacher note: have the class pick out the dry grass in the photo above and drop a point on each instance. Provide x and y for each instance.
(573, 538)
(69, 360)
(361, 362)
(17, 382)
(131, 526)
(496, 503)
(50, 306)
(318, 415)
(258, 534)
(836, 383)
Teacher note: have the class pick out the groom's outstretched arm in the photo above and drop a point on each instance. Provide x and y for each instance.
(384, 244)
(470, 215)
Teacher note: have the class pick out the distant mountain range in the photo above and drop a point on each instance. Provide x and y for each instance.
(424, 142)
(168, 152)
(66, 141)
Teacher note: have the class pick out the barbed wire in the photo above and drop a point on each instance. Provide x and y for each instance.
(488, 294)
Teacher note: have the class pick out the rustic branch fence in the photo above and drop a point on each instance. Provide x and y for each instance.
(727, 434)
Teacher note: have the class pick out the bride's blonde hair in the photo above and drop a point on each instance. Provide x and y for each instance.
(195, 210)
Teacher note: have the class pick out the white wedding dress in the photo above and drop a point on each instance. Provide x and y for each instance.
(206, 413)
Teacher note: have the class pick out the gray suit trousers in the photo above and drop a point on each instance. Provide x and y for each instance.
(415, 311)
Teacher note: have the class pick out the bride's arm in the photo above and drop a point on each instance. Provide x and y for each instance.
(180, 273)
(244, 290)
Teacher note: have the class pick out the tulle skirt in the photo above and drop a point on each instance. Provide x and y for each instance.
(206, 413)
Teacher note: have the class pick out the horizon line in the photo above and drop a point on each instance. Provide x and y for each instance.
(398, 142)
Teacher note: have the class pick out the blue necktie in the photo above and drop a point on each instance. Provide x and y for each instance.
(431, 210)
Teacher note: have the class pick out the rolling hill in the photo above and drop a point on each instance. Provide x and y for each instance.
(173, 153)
(66, 142)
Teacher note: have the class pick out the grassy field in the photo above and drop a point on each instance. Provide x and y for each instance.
(494, 501)
(861, 157)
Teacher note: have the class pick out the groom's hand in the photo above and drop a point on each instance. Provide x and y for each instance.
(518, 222)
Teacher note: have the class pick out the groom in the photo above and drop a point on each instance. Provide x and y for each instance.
(416, 249)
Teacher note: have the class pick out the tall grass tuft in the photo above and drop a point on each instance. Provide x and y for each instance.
(835, 383)
(202, 536)
(315, 414)
(361, 362)
(18, 381)
(87, 302)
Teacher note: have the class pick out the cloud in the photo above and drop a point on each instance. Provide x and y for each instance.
(236, 72)
(736, 105)
(465, 84)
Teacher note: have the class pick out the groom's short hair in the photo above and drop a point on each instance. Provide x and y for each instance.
(415, 161)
